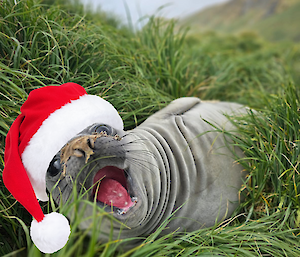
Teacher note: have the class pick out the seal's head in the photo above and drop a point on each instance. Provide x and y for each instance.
(93, 160)
(49, 118)
(101, 163)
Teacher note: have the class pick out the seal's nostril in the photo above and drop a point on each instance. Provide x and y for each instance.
(91, 143)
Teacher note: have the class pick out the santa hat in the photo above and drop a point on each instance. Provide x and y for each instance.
(49, 118)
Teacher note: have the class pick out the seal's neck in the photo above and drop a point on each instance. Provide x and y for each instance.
(150, 169)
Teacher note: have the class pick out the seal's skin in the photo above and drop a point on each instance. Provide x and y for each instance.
(171, 163)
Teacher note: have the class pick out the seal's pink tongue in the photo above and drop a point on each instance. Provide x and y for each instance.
(111, 192)
(112, 189)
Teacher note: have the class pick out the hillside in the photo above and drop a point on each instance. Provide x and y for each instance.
(273, 19)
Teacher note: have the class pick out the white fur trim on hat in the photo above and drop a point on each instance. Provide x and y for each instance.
(61, 126)
(51, 234)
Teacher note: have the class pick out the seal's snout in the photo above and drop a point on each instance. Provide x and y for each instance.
(95, 160)
(79, 147)
(83, 145)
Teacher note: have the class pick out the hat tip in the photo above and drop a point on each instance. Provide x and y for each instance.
(51, 234)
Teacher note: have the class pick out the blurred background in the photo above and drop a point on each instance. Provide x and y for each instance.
(134, 10)
(271, 19)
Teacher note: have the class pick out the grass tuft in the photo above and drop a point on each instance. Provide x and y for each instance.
(270, 139)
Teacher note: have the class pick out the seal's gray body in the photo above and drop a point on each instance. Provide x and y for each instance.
(174, 165)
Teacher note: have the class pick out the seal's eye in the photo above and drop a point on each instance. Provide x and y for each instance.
(102, 128)
(54, 167)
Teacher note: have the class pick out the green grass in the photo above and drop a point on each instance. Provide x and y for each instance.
(270, 139)
(139, 73)
(273, 154)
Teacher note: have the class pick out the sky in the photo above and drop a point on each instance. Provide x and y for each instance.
(141, 8)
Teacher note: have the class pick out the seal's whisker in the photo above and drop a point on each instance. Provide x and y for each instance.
(136, 140)
(62, 192)
(139, 162)
(140, 152)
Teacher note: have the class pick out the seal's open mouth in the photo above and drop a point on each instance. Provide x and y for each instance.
(110, 188)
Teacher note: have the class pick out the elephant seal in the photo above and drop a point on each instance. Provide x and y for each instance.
(169, 163)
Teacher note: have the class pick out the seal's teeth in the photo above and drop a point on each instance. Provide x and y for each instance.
(128, 206)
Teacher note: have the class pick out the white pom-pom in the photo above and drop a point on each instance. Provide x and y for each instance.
(51, 234)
